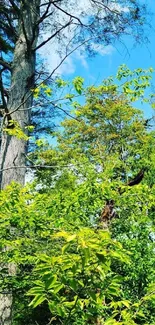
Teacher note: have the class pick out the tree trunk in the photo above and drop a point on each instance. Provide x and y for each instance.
(13, 150)
(5, 308)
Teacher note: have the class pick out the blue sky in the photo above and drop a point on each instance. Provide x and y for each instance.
(106, 63)
(133, 55)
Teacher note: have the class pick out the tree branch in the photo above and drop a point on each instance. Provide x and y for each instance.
(41, 166)
(2, 93)
(17, 10)
(51, 74)
(65, 57)
(113, 11)
(68, 14)
(43, 17)
(45, 14)
(46, 3)
(5, 65)
(48, 39)
(10, 25)
(65, 112)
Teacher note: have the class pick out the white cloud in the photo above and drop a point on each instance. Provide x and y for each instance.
(52, 57)
(81, 58)
(103, 50)
(82, 9)
(119, 8)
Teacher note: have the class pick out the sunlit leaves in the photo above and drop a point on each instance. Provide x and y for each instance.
(15, 130)
(61, 83)
(81, 274)
(78, 271)
(78, 84)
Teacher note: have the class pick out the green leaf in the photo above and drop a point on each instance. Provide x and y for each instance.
(65, 248)
(78, 84)
(37, 301)
(58, 287)
(50, 281)
(71, 238)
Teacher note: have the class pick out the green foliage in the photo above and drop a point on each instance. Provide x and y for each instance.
(101, 150)
(78, 84)
(70, 269)
(15, 130)
(78, 282)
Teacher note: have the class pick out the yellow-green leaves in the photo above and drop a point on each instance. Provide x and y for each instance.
(78, 84)
(48, 91)
(61, 83)
(36, 92)
(42, 88)
(136, 82)
(80, 275)
(15, 130)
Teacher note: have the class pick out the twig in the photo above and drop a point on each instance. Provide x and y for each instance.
(63, 110)
(70, 15)
(51, 74)
(64, 58)
(15, 7)
(113, 11)
(44, 14)
(43, 166)
(49, 38)
(5, 64)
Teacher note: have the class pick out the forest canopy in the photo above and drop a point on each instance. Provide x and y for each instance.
(81, 236)
(77, 241)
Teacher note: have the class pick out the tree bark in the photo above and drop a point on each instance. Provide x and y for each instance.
(13, 150)
(5, 308)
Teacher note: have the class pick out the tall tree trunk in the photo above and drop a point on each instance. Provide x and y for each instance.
(13, 150)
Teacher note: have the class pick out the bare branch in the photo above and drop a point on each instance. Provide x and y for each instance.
(68, 14)
(64, 111)
(17, 10)
(64, 58)
(51, 74)
(39, 166)
(48, 39)
(113, 11)
(12, 28)
(5, 64)
(45, 14)
(42, 18)
(52, 2)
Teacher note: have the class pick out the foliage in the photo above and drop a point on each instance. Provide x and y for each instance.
(107, 127)
(90, 27)
(78, 282)
(70, 270)
(108, 143)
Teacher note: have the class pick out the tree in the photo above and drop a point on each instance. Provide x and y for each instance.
(21, 29)
(56, 236)
(21, 23)
(100, 151)
(55, 243)
(107, 127)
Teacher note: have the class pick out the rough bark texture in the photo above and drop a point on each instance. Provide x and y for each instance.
(13, 150)
(5, 308)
